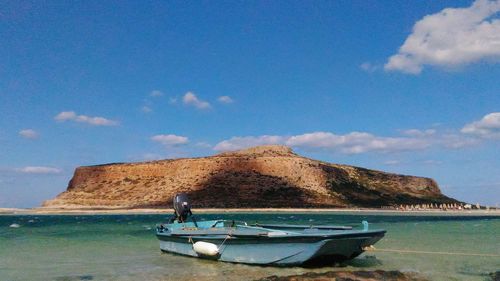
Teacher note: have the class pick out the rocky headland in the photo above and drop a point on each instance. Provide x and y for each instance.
(258, 177)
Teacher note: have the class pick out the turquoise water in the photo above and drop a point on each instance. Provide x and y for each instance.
(124, 247)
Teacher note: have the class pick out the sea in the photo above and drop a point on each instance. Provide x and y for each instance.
(124, 247)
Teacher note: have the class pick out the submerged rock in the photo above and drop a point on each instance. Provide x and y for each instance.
(75, 278)
(350, 276)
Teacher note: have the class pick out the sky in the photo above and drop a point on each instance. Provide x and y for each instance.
(407, 87)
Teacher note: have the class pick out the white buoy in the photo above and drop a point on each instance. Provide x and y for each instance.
(205, 248)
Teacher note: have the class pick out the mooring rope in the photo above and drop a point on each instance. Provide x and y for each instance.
(227, 236)
(429, 252)
(230, 233)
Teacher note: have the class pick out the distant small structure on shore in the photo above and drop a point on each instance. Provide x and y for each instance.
(436, 206)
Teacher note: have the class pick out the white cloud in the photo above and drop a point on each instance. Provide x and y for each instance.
(191, 99)
(156, 93)
(65, 115)
(39, 170)
(452, 37)
(362, 142)
(236, 143)
(225, 99)
(28, 134)
(488, 126)
(170, 140)
(352, 143)
(357, 142)
(95, 121)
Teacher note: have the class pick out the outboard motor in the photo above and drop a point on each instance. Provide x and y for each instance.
(182, 209)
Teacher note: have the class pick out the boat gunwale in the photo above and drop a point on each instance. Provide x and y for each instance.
(291, 226)
(351, 234)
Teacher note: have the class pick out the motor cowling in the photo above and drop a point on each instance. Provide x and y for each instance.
(182, 207)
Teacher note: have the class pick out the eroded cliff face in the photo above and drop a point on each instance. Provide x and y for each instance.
(265, 176)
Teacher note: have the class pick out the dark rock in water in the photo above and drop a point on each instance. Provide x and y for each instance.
(495, 276)
(349, 276)
(75, 278)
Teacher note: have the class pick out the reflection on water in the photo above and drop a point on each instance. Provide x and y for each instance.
(123, 247)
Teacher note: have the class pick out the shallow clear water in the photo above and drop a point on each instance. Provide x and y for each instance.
(124, 247)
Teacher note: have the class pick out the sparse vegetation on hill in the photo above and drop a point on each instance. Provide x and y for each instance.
(264, 176)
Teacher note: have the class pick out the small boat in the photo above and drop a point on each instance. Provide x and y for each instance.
(261, 244)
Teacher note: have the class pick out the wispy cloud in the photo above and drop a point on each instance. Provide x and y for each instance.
(236, 143)
(203, 144)
(452, 37)
(225, 99)
(368, 67)
(419, 133)
(28, 134)
(170, 140)
(39, 170)
(488, 126)
(172, 100)
(432, 162)
(429, 162)
(151, 157)
(455, 140)
(146, 109)
(95, 121)
(356, 142)
(392, 162)
(156, 93)
(146, 105)
(192, 100)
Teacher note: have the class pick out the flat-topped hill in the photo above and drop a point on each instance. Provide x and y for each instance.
(263, 176)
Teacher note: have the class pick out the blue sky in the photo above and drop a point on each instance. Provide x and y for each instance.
(405, 87)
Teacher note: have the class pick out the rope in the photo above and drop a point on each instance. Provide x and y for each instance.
(371, 248)
(190, 240)
(227, 236)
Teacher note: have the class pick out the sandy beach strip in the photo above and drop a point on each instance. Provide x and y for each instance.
(122, 211)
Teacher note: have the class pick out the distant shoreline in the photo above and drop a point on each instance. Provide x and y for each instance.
(115, 211)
